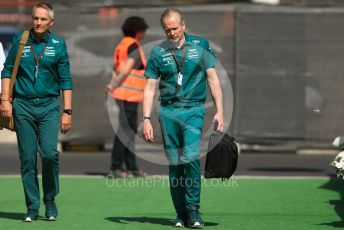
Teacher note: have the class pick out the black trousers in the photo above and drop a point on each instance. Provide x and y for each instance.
(124, 143)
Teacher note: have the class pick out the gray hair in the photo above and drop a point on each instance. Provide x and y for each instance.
(46, 6)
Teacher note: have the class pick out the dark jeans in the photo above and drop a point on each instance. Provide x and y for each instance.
(124, 143)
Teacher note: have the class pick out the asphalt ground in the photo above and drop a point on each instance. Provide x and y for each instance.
(274, 164)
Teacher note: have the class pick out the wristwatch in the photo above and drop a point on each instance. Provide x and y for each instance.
(68, 111)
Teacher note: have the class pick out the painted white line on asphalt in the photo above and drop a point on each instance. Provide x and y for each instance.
(7, 137)
(317, 152)
(269, 2)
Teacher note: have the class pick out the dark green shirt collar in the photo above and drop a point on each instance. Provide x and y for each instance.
(45, 38)
(187, 42)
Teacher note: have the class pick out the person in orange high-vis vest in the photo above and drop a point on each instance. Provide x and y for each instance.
(126, 87)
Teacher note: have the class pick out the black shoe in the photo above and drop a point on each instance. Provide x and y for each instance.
(50, 210)
(117, 173)
(194, 218)
(137, 173)
(31, 215)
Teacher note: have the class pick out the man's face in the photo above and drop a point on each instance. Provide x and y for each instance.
(173, 27)
(41, 20)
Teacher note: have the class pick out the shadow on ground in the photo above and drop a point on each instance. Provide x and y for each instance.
(104, 174)
(287, 169)
(12, 215)
(335, 184)
(152, 220)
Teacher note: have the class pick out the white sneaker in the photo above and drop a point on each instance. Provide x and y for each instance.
(28, 219)
(51, 218)
(31, 215)
(197, 225)
(179, 224)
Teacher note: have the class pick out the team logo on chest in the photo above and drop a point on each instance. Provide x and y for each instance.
(193, 53)
(167, 59)
(26, 51)
(50, 51)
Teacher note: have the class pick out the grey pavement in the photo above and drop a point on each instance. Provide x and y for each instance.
(250, 164)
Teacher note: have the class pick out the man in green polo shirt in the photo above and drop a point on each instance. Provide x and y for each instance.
(184, 64)
(43, 72)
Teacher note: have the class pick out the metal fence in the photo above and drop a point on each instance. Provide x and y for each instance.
(285, 65)
(288, 73)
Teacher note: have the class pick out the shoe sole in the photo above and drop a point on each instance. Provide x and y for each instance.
(51, 218)
(196, 226)
(26, 220)
(179, 225)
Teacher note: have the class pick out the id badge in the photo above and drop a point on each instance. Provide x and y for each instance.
(36, 71)
(180, 79)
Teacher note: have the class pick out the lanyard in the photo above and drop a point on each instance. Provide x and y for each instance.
(180, 66)
(36, 59)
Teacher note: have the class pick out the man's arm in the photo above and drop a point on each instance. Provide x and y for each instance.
(6, 106)
(148, 97)
(215, 88)
(66, 119)
(66, 86)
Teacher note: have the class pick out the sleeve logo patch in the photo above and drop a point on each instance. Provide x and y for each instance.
(55, 41)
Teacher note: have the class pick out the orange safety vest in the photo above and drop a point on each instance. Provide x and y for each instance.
(132, 87)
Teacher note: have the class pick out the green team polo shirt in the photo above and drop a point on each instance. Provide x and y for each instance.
(53, 71)
(161, 64)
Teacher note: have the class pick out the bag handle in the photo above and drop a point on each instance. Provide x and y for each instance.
(17, 61)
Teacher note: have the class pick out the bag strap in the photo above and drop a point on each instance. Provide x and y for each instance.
(17, 61)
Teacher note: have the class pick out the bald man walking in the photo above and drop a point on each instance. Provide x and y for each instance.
(184, 64)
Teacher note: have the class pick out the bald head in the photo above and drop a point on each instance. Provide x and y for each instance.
(171, 12)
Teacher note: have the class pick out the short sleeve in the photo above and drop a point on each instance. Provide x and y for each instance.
(209, 57)
(134, 53)
(152, 69)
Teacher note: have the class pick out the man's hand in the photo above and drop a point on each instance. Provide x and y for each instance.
(218, 122)
(148, 130)
(114, 82)
(6, 109)
(108, 89)
(66, 123)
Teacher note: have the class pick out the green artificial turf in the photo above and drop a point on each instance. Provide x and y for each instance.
(97, 203)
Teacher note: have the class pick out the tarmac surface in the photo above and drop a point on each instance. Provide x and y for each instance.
(250, 163)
